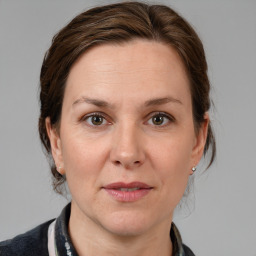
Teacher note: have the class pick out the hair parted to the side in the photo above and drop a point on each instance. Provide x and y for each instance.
(116, 24)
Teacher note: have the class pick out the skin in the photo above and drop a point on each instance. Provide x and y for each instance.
(128, 145)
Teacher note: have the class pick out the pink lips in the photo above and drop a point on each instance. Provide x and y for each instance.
(127, 192)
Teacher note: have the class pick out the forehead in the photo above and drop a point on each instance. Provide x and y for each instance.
(128, 69)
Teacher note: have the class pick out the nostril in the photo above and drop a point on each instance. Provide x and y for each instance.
(127, 165)
(117, 162)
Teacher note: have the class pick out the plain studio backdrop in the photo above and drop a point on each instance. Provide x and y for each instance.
(223, 221)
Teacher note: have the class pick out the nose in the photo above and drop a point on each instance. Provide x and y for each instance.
(127, 147)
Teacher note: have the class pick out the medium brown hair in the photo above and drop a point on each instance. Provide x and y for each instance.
(116, 24)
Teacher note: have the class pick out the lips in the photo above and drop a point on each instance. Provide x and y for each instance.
(127, 192)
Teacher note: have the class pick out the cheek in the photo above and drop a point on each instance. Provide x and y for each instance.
(172, 166)
(83, 160)
(173, 154)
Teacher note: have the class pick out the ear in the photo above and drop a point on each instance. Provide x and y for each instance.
(200, 140)
(55, 145)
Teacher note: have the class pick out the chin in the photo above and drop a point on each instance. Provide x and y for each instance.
(127, 224)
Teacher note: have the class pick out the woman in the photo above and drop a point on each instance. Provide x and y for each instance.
(124, 119)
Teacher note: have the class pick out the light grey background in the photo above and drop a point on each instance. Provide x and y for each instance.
(224, 220)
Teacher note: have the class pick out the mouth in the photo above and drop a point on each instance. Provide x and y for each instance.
(127, 192)
(128, 189)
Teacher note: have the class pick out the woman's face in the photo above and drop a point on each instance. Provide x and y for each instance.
(127, 141)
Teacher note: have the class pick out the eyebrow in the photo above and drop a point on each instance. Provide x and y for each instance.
(105, 104)
(96, 102)
(161, 101)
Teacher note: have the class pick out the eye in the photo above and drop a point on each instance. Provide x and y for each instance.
(95, 119)
(160, 119)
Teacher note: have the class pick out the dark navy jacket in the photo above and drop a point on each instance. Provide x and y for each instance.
(35, 241)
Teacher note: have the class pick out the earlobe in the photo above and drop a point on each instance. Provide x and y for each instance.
(55, 141)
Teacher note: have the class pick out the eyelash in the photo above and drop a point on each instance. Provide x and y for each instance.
(170, 119)
(96, 114)
(152, 115)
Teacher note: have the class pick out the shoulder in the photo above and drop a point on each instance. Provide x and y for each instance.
(187, 251)
(33, 242)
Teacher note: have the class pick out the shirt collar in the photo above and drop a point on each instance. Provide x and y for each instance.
(63, 242)
(64, 246)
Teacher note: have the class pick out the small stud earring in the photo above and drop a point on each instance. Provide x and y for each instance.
(193, 169)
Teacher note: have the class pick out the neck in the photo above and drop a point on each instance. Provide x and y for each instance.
(89, 238)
